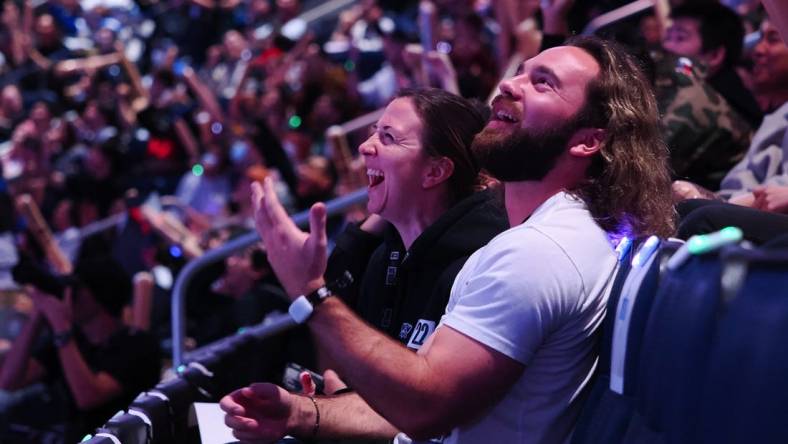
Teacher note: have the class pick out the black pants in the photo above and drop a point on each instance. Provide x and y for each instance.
(700, 216)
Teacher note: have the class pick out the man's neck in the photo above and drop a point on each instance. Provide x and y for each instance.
(100, 328)
(523, 198)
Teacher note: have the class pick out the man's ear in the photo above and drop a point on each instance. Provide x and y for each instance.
(714, 58)
(438, 170)
(586, 142)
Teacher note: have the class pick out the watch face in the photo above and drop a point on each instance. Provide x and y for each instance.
(61, 339)
(300, 309)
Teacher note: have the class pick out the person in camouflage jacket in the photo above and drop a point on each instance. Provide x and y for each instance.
(705, 135)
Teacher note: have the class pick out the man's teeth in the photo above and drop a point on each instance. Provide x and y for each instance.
(503, 115)
(372, 172)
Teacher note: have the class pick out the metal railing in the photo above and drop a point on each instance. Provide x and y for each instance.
(333, 207)
(272, 325)
(325, 9)
(616, 15)
(361, 122)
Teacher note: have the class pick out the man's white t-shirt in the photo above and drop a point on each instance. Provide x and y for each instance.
(537, 294)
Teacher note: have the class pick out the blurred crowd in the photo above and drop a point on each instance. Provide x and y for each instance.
(136, 127)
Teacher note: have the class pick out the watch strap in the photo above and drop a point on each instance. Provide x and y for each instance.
(303, 306)
(63, 338)
(318, 296)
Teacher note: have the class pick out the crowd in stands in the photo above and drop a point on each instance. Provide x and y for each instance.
(131, 134)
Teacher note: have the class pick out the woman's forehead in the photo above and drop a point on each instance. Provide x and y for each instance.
(401, 116)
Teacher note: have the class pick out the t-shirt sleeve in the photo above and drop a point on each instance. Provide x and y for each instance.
(510, 298)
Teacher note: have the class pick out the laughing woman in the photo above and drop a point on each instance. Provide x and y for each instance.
(428, 214)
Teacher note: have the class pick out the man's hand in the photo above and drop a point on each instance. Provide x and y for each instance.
(772, 198)
(554, 14)
(10, 17)
(440, 65)
(683, 190)
(260, 412)
(331, 383)
(57, 312)
(298, 259)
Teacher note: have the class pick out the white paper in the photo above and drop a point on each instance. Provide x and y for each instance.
(210, 421)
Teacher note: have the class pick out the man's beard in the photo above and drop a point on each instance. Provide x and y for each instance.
(522, 154)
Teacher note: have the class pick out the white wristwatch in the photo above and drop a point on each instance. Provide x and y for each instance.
(302, 307)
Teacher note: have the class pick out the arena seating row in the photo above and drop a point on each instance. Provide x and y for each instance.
(691, 352)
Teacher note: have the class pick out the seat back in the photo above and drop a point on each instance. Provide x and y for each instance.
(676, 343)
(746, 386)
(606, 414)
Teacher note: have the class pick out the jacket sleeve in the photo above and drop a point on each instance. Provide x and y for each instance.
(351, 253)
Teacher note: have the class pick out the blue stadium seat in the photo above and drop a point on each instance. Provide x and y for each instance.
(674, 356)
(746, 385)
(607, 413)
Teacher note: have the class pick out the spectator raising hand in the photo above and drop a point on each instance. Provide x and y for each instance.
(299, 259)
(554, 14)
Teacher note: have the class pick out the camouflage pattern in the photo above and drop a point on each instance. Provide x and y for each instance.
(705, 135)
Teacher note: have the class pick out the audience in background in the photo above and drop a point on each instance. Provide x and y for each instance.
(109, 107)
(90, 367)
(760, 177)
(714, 34)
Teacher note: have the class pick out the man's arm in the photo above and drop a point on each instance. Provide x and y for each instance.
(743, 199)
(450, 381)
(90, 389)
(19, 369)
(453, 382)
(265, 411)
(348, 415)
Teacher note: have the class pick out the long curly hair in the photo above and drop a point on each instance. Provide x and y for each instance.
(628, 185)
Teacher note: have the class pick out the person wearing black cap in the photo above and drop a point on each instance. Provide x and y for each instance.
(92, 367)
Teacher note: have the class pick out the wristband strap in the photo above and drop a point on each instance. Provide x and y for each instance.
(303, 306)
(317, 417)
(63, 338)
